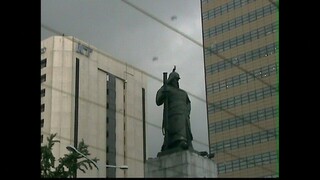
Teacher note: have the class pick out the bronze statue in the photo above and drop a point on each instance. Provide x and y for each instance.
(176, 115)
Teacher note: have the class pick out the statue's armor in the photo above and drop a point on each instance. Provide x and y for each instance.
(179, 107)
(177, 101)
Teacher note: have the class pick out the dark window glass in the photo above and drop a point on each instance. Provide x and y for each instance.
(43, 78)
(43, 92)
(42, 107)
(43, 63)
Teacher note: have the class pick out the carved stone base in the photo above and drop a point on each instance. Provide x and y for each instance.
(187, 163)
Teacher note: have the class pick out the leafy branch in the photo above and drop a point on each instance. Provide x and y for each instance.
(68, 164)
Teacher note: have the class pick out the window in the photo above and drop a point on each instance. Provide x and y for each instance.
(261, 114)
(239, 121)
(42, 107)
(250, 161)
(269, 113)
(229, 83)
(212, 149)
(236, 80)
(271, 135)
(258, 160)
(43, 63)
(218, 127)
(225, 125)
(255, 138)
(234, 143)
(43, 78)
(264, 137)
(229, 167)
(244, 99)
(241, 141)
(232, 124)
(265, 158)
(273, 157)
(243, 78)
(219, 146)
(254, 117)
(42, 122)
(221, 168)
(259, 95)
(237, 100)
(255, 54)
(246, 119)
(252, 96)
(248, 139)
(43, 92)
(243, 164)
(230, 102)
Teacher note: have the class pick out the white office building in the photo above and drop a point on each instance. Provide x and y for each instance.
(87, 94)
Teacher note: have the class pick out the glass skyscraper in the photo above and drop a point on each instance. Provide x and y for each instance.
(240, 52)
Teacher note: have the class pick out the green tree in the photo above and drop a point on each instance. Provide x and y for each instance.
(68, 164)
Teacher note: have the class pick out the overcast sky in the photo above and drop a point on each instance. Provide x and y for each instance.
(118, 29)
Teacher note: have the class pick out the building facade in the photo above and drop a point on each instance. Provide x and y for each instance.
(240, 53)
(88, 95)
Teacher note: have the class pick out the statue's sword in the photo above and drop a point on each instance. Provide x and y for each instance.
(165, 110)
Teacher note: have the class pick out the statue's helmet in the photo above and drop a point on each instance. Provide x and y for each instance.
(173, 75)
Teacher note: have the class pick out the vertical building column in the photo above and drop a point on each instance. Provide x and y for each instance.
(111, 126)
(76, 107)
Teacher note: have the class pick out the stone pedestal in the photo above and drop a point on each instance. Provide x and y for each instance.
(181, 164)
